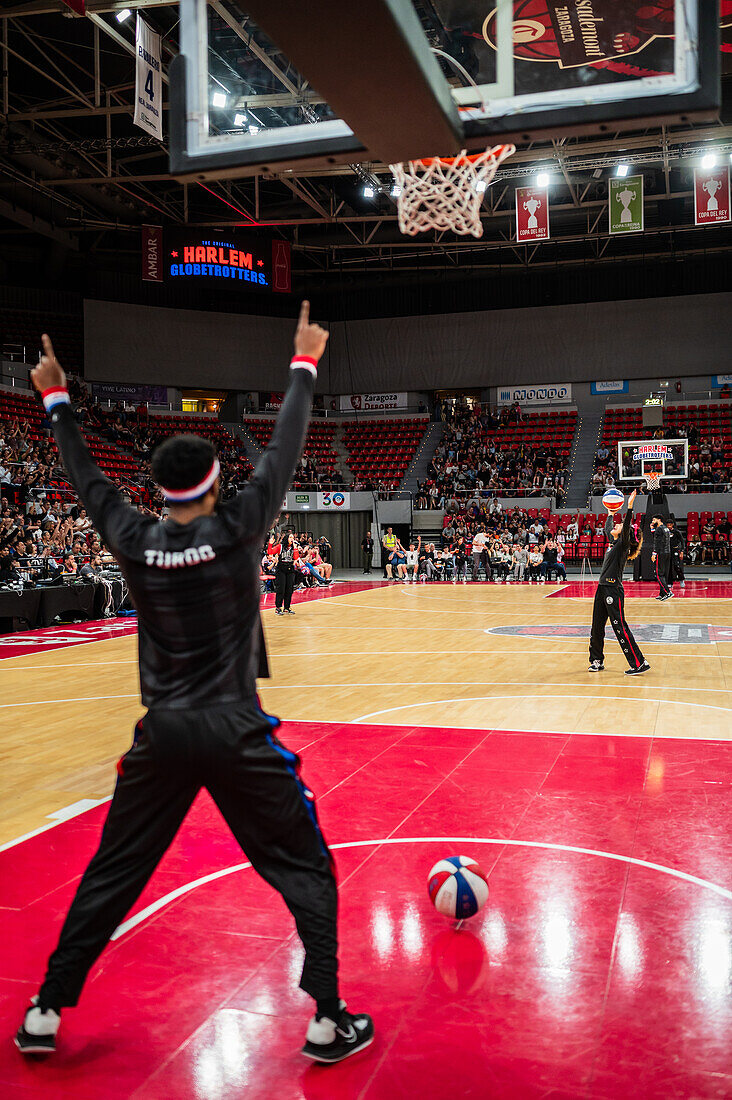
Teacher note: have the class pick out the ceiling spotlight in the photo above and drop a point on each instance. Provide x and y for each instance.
(240, 120)
(622, 170)
(122, 15)
(542, 179)
(395, 190)
(254, 129)
(709, 160)
(218, 99)
(368, 191)
(480, 186)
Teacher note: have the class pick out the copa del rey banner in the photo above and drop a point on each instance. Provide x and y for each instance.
(532, 214)
(148, 81)
(711, 196)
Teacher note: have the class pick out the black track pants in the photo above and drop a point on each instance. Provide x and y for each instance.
(284, 584)
(255, 783)
(662, 564)
(610, 604)
(677, 568)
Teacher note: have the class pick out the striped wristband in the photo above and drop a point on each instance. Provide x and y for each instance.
(56, 395)
(305, 362)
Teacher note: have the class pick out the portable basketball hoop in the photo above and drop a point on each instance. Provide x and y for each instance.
(652, 482)
(446, 192)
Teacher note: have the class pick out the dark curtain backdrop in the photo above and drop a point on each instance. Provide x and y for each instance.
(570, 343)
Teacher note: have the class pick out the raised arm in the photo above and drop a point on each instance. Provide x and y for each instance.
(110, 514)
(256, 506)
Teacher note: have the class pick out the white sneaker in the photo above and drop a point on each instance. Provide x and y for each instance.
(37, 1033)
(332, 1041)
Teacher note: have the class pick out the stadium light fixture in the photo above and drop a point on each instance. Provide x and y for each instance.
(709, 160)
(254, 129)
(240, 121)
(395, 190)
(622, 170)
(122, 15)
(368, 191)
(542, 179)
(218, 99)
(480, 186)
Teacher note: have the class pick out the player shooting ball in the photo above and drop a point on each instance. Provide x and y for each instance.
(623, 546)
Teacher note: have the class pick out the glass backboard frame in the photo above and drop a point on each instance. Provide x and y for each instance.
(492, 111)
(650, 464)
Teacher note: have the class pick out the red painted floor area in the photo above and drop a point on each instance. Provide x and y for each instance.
(600, 967)
(694, 590)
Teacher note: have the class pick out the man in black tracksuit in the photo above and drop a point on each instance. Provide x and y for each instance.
(661, 556)
(610, 598)
(678, 546)
(194, 580)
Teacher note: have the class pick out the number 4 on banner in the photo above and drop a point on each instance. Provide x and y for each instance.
(148, 81)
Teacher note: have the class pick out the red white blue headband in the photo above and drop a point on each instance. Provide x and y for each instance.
(180, 496)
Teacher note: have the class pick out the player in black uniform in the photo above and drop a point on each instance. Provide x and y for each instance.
(661, 556)
(678, 547)
(194, 580)
(610, 596)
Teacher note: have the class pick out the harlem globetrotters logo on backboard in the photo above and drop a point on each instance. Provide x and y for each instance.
(572, 33)
(654, 452)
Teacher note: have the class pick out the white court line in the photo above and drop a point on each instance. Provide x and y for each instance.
(156, 906)
(76, 809)
(80, 699)
(492, 683)
(480, 698)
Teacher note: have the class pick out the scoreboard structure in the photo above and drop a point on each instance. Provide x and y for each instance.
(252, 263)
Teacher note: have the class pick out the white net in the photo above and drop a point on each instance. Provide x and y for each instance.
(446, 193)
(652, 482)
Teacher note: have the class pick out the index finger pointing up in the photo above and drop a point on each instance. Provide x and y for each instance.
(47, 346)
(304, 317)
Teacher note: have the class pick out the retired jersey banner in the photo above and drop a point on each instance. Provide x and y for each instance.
(711, 196)
(148, 81)
(532, 214)
(626, 204)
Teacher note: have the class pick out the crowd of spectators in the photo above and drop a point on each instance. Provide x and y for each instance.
(469, 464)
(313, 565)
(501, 545)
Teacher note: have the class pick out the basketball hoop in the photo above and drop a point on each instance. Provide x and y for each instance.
(446, 192)
(652, 482)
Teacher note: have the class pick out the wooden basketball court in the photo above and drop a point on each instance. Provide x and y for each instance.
(432, 720)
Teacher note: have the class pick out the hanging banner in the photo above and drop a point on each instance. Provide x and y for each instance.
(78, 6)
(148, 81)
(532, 214)
(625, 198)
(152, 254)
(711, 196)
(372, 402)
(608, 387)
(335, 501)
(534, 395)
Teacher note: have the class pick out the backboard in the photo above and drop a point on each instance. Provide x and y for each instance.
(263, 86)
(669, 458)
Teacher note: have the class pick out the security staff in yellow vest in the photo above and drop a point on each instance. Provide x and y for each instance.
(388, 542)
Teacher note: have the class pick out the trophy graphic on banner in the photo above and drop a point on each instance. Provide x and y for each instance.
(626, 197)
(711, 186)
(532, 205)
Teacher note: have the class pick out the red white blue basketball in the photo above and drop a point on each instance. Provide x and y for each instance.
(613, 499)
(457, 886)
